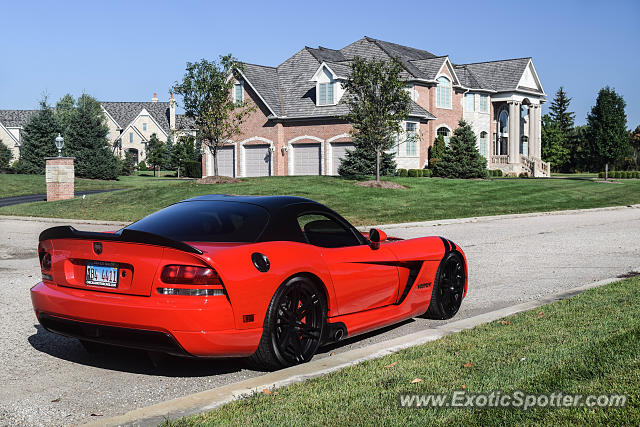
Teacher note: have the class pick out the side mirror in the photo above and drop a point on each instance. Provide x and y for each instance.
(376, 236)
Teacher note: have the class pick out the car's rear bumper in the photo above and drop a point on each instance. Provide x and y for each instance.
(196, 326)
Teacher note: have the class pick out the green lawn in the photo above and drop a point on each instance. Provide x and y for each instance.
(18, 185)
(425, 199)
(589, 344)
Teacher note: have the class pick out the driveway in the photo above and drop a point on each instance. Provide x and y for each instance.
(48, 379)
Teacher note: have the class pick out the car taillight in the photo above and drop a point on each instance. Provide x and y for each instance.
(45, 264)
(191, 275)
(45, 260)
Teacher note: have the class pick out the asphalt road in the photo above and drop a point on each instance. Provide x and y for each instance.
(28, 198)
(50, 380)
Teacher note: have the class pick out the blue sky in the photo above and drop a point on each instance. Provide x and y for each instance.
(126, 50)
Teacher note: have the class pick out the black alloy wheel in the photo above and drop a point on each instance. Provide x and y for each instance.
(294, 325)
(448, 289)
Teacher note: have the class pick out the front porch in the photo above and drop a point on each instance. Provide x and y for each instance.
(516, 132)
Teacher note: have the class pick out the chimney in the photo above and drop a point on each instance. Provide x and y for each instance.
(172, 113)
(155, 97)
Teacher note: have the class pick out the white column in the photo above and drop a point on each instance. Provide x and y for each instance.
(532, 131)
(537, 131)
(514, 132)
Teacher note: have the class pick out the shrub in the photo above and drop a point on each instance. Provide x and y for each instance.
(413, 173)
(426, 173)
(193, 169)
(636, 174)
(601, 175)
(128, 164)
(5, 156)
(495, 172)
(142, 166)
(461, 158)
(523, 175)
(403, 172)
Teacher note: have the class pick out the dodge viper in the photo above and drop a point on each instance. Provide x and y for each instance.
(271, 278)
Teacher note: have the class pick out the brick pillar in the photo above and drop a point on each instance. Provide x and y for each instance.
(60, 174)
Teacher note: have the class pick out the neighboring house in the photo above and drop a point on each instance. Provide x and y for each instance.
(11, 125)
(130, 124)
(297, 127)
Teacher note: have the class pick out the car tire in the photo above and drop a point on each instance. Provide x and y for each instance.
(293, 326)
(448, 288)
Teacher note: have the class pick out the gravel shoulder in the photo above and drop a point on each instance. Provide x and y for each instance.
(51, 380)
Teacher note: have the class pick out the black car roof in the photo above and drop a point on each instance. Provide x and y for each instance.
(270, 203)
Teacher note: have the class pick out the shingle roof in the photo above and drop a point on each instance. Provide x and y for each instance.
(125, 112)
(429, 67)
(501, 75)
(16, 118)
(265, 81)
(326, 54)
(184, 122)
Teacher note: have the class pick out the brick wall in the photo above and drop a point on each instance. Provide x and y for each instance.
(60, 175)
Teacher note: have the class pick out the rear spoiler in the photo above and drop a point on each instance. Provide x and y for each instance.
(124, 235)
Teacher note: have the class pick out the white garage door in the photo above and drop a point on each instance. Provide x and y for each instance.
(339, 151)
(306, 159)
(226, 161)
(257, 160)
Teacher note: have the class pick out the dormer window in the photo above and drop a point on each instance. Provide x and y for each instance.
(325, 93)
(238, 93)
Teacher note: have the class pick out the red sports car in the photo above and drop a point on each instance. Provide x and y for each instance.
(272, 278)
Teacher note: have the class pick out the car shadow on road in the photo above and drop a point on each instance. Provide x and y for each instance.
(130, 360)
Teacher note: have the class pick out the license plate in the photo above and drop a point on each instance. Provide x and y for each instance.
(101, 274)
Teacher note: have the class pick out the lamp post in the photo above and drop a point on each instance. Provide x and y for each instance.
(59, 144)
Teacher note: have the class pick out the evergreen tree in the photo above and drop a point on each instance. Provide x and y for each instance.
(128, 164)
(634, 142)
(183, 152)
(560, 114)
(436, 151)
(156, 153)
(64, 110)
(378, 102)
(554, 144)
(5, 156)
(577, 147)
(361, 161)
(607, 129)
(86, 140)
(39, 141)
(461, 159)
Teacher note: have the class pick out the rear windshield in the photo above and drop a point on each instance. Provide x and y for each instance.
(206, 221)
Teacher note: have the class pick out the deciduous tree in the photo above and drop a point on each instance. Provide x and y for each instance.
(206, 90)
(554, 144)
(378, 103)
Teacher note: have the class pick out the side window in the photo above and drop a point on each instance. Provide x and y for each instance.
(323, 231)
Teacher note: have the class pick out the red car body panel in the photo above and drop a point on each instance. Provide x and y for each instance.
(365, 288)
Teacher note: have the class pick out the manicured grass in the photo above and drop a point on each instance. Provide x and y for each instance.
(575, 175)
(18, 185)
(588, 344)
(425, 199)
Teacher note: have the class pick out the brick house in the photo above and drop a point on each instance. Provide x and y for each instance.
(296, 128)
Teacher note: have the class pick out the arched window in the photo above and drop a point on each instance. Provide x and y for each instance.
(482, 142)
(443, 93)
(445, 132)
(504, 122)
(524, 145)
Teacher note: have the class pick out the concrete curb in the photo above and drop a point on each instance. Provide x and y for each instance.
(433, 223)
(211, 399)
